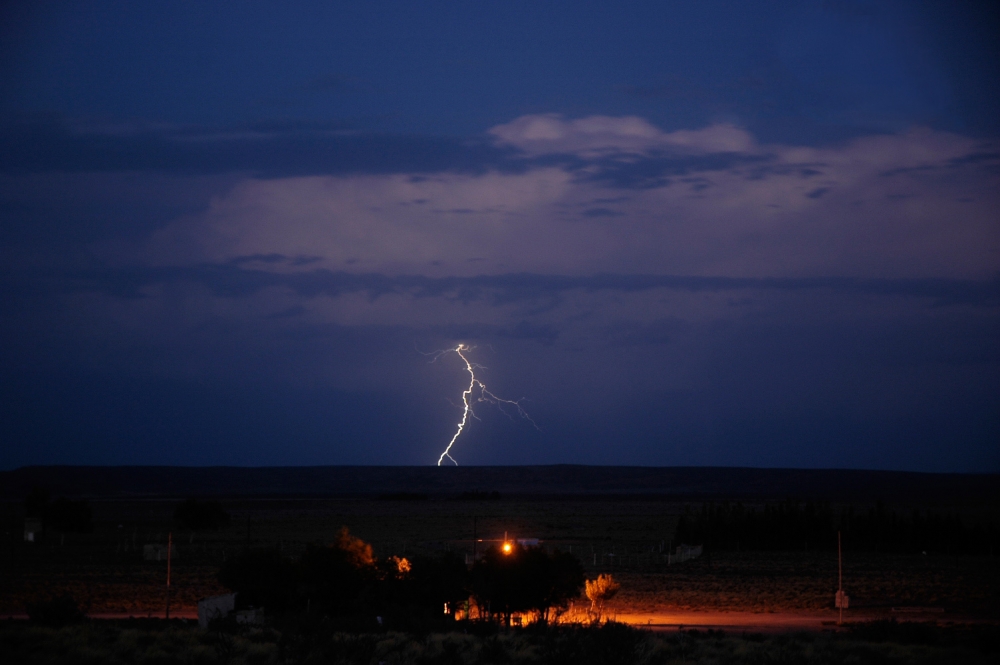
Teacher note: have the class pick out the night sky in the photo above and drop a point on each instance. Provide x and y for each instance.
(698, 233)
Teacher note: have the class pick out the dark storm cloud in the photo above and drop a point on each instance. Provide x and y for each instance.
(522, 330)
(48, 143)
(655, 169)
(661, 331)
(987, 161)
(233, 281)
(270, 149)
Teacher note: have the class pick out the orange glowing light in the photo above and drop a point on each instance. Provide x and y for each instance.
(507, 548)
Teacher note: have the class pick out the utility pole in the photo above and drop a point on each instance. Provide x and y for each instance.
(841, 598)
(170, 546)
(475, 541)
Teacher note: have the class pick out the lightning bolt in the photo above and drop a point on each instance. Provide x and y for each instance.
(484, 396)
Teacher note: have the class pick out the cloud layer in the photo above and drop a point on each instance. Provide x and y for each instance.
(617, 195)
(690, 296)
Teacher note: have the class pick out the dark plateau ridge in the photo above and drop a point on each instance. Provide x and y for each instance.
(411, 482)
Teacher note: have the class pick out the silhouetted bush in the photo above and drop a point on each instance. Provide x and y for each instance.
(328, 579)
(332, 577)
(198, 515)
(261, 578)
(423, 589)
(55, 612)
(525, 579)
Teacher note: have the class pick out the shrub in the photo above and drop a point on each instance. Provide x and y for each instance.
(600, 591)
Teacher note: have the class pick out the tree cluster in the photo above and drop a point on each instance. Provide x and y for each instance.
(344, 580)
(793, 525)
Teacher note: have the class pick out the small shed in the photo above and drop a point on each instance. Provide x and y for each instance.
(32, 530)
(685, 553)
(158, 552)
(215, 607)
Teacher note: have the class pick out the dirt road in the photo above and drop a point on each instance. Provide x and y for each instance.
(734, 621)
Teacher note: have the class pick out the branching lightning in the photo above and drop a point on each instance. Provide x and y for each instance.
(484, 396)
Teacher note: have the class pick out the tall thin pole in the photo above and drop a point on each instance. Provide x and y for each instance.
(170, 546)
(475, 540)
(840, 582)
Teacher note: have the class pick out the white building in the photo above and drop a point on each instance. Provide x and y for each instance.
(158, 552)
(215, 607)
(32, 530)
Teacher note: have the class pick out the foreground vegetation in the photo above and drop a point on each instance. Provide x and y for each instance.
(162, 643)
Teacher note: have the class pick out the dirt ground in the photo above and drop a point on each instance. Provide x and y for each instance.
(794, 581)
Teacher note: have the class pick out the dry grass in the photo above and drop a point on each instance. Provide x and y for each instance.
(135, 589)
(789, 581)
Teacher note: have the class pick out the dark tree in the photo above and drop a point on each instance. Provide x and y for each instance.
(328, 579)
(442, 580)
(525, 579)
(562, 583)
(333, 577)
(261, 578)
(198, 515)
(426, 584)
(69, 516)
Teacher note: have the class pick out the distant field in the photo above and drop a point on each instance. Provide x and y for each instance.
(628, 537)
